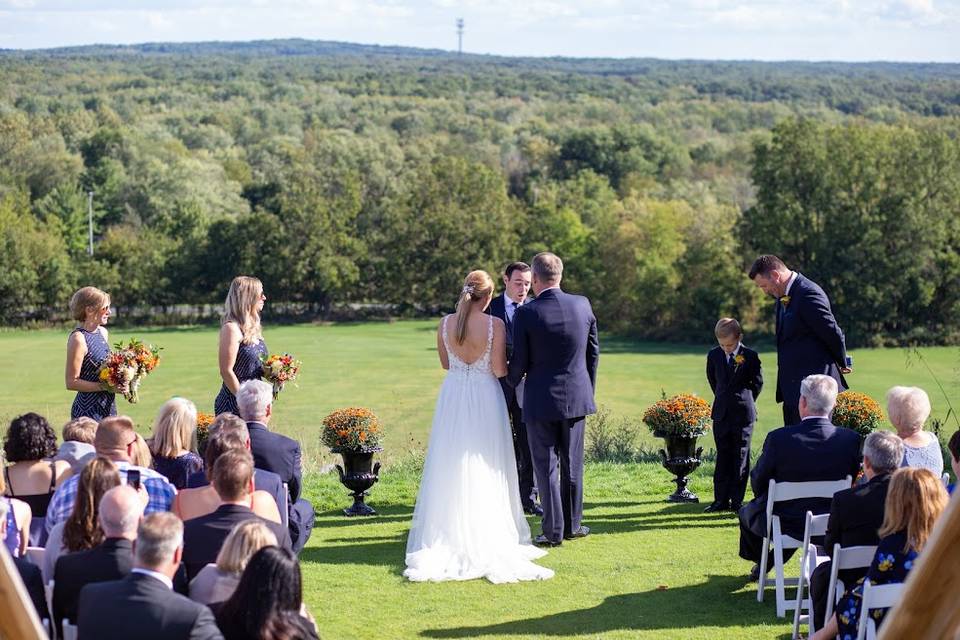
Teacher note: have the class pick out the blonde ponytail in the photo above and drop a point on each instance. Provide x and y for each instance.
(478, 285)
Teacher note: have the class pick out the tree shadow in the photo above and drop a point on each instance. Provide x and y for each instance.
(388, 553)
(708, 604)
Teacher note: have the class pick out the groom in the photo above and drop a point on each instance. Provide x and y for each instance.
(555, 344)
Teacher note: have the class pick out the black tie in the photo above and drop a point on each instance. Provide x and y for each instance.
(731, 362)
(513, 311)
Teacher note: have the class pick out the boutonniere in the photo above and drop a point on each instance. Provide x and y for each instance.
(738, 360)
(784, 300)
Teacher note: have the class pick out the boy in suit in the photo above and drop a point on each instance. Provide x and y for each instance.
(736, 379)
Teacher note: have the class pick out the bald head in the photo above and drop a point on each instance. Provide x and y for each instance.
(114, 437)
(120, 511)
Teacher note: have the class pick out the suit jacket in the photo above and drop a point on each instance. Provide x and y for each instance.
(555, 343)
(140, 606)
(203, 536)
(498, 309)
(277, 453)
(813, 450)
(110, 560)
(33, 581)
(856, 514)
(734, 388)
(263, 480)
(808, 340)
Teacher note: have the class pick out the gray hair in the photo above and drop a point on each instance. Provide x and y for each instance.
(884, 450)
(120, 511)
(820, 392)
(253, 398)
(547, 267)
(158, 538)
(908, 407)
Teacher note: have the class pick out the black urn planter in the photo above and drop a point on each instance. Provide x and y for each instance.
(358, 474)
(681, 458)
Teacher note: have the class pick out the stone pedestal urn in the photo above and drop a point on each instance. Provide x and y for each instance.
(358, 473)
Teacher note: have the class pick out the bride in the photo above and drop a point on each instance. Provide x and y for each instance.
(468, 522)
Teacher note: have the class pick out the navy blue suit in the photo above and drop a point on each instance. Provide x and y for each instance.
(521, 447)
(813, 450)
(203, 536)
(555, 344)
(735, 388)
(808, 341)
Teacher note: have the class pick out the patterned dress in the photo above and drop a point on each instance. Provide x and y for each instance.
(93, 404)
(890, 565)
(247, 367)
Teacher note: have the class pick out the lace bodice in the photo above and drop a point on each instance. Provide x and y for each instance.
(479, 366)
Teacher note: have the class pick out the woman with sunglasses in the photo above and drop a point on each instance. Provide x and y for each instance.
(87, 348)
(242, 348)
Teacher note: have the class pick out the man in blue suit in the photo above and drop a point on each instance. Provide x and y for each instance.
(809, 341)
(555, 344)
(810, 451)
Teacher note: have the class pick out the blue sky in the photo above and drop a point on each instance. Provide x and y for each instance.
(901, 30)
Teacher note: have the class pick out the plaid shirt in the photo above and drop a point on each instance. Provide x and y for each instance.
(159, 491)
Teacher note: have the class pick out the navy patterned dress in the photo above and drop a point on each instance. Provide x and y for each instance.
(93, 404)
(247, 367)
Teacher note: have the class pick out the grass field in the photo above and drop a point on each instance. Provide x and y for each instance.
(649, 569)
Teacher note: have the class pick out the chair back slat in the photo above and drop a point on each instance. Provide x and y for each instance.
(853, 557)
(815, 489)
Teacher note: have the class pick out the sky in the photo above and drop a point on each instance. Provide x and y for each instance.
(850, 30)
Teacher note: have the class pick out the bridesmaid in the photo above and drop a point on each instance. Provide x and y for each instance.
(241, 341)
(87, 348)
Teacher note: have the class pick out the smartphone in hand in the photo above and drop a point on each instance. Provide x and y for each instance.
(133, 478)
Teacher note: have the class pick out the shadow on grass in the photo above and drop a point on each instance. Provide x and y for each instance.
(388, 553)
(713, 603)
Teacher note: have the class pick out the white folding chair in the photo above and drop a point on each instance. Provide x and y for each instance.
(48, 595)
(35, 555)
(946, 479)
(813, 526)
(69, 631)
(881, 596)
(858, 557)
(284, 506)
(779, 492)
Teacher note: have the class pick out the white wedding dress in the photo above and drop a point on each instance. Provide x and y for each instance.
(468, 522)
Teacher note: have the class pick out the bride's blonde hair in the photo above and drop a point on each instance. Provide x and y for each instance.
(241, 307)
(478, 285)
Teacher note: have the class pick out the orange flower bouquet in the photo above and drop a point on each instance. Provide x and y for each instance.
(682, 415)
(857, 411)
(352, 429)
(127, 366)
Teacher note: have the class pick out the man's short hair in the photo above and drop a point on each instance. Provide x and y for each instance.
(232, 474)
(83, 429)
(230, 423)
(763, 265)
(253, 398)
(820, 392)
(218, 444)
(522, 267)
(727, 327)
(113, 434)
(954, 445)
(885, 451)
(547, 267)
(119, 511)
(158, 538)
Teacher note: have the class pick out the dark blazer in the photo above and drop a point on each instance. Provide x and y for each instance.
(498, 309)
(555, 344)
(813, 450)
(110, 560)
(856, 514)
(734, 389)
(203, 536)
(263, 480)
(277, 453)
(33, 581)
(808, 340)
(142, 607)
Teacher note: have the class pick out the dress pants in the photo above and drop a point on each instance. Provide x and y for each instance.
(732, 470)
(521, 448)
(791, 412)
(556, 447)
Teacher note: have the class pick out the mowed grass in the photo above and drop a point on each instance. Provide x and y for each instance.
(649, 569)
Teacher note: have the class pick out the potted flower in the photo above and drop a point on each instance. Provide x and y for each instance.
(355, 434)
(680, 420)
(857, 411)
(204, 420)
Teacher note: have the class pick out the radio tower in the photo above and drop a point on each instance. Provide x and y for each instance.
(460, 36)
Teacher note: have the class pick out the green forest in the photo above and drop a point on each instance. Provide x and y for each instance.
(360, 179)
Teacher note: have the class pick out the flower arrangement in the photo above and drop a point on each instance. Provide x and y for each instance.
(126, 366)
(279, 369)
(204, 420)
(682, 415)
(857, 411)
(352, 429)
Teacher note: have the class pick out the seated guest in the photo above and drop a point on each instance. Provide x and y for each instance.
(277, 453)
(915, 500)
(140, 455)
(813, 450)
(268, 601)
(115, 440)
(82, 531)
(77, 448)
(32, 477)
(857, 513)
(193, 503)
(29, 572)
(908, 408)
(954, 447)
(217, 582)
(204, 536)
(120, 511)
(174, 441)
(143, 605)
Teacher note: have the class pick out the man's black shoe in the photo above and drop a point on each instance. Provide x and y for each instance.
(736, 506)
(582, 532)
(533, 510)
(714, 507)
(543, 541)
(755, 572)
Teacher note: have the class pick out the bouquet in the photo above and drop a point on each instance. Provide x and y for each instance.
(126, 366)
(682, 415)
(279, 370)
(857, 411)
(353, 429)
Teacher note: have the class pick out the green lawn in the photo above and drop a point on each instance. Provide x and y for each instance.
(650, 569)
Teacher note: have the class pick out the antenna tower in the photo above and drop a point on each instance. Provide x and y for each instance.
(460, 36)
